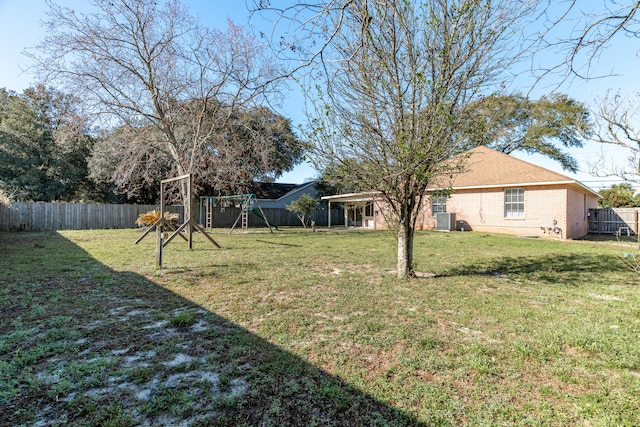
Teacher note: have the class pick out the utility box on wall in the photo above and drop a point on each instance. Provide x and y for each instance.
(445, 221)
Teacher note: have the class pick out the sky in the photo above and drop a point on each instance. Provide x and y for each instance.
(20, 28)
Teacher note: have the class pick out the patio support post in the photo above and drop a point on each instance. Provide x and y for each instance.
(346, 216)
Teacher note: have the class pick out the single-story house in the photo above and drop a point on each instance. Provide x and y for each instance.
(496, 193)
(276, 195)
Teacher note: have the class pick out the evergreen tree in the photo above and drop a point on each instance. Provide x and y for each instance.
(43, 146)
(619, 196)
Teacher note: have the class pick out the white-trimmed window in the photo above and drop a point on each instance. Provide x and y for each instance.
(438, 204)
(514, 203)
(368, 209)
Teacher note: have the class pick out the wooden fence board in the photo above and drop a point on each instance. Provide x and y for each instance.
(611, 220)
(41, 216)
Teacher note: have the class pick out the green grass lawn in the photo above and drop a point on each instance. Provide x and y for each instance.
(300, 328)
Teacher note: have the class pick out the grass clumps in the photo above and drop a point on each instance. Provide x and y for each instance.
(184, 319)
(501, 331)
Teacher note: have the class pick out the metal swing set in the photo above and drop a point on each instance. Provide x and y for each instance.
(248, 205)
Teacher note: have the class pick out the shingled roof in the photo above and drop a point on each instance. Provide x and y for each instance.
(271, 190)
(486, 168)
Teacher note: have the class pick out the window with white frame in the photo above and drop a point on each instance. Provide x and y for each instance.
(368, 209)
(438, 204)
(514, 203)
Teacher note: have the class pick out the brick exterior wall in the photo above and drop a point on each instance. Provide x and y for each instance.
(578, 205)
(483, 210)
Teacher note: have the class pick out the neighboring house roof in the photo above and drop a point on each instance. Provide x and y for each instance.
(487, 168)
(267, 190)
(270, 190)
(275, 191)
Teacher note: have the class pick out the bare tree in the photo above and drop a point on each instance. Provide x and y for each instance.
(255, 145)
(571, 35)
(588, 30)
(599, 29)
(132, 160)
(617, 125)
(391, 79)
(616, 121)
(142, 62)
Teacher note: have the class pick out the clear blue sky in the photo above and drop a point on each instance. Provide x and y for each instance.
(20, 28)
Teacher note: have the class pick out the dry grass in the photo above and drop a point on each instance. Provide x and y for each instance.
(149, 218)
(302, 328)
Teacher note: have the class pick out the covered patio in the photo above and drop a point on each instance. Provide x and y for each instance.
(359, 209)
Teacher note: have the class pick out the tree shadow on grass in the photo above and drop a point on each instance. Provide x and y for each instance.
(83, 344)
(569, 269)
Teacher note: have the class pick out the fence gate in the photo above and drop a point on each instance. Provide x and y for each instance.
(613, 220)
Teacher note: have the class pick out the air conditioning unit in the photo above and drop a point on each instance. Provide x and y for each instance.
(445, 221)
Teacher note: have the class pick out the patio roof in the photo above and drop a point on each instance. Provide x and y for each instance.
(352, 197)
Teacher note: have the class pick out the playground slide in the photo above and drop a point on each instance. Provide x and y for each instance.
(257, 213)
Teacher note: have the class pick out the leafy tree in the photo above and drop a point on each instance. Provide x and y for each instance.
(256, 144)
(392, 77)
(43, 146)
(509, 123)
(5, 96)
(162, 70)
(303, 208)
(333, 180)
(619, 196)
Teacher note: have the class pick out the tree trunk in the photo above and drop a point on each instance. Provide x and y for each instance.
(172, 145)
(187, 202)
(405, 249)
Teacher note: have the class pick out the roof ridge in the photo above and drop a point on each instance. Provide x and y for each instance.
(515, 159)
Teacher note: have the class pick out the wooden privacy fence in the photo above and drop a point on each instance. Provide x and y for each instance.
(41, 216)
(613, 220)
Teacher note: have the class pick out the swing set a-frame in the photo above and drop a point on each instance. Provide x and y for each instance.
(162, 224)
(248, 205)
